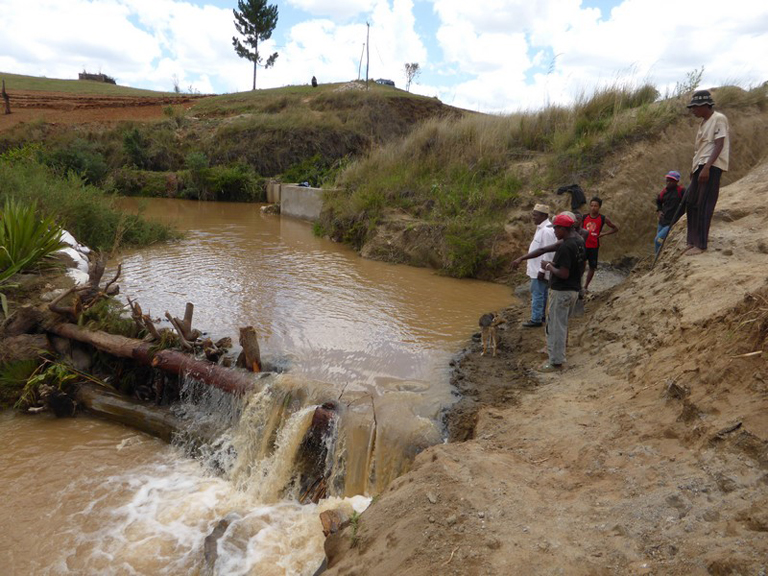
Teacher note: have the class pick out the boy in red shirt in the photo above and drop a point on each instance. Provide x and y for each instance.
(594, 223)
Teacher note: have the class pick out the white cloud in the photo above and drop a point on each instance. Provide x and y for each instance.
(489, 55)
(335, 9)
(637, 40)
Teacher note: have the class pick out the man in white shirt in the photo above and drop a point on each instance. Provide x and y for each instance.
(544, 236)
(710, 160)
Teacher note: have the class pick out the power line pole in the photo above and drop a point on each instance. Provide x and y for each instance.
(360, 66)
(367, 53)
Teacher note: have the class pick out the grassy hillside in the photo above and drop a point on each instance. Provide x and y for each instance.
(223, 147)
(466, 178)
(21, 82)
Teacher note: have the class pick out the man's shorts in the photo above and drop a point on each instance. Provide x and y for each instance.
(592, 257)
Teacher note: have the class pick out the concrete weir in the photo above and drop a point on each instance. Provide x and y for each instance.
(298, 201)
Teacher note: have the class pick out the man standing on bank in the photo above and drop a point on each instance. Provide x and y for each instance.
(566, 269)
(544, 236)
(710, 160)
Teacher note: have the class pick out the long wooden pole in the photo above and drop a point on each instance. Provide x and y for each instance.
(227, 379)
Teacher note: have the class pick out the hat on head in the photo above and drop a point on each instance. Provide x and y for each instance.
(673, 175)
(562, 220)
(543, 208)
(701, 98)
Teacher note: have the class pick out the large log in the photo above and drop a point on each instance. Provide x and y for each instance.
(226, 379)
(155, 420)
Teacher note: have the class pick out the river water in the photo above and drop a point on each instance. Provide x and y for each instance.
(84, 496)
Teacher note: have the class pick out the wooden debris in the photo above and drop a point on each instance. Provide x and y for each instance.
(749, 354)
(250, 357)
(144, 321)
(183, 327)
(312, 454)
(175, 362)
(155, 420)
(89, 295)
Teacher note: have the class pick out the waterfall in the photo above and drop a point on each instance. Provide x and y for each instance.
(300, 440)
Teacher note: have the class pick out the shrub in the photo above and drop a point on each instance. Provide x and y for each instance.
(135, 145)
(236, 183)
(85, 210)
(80, 156)
(25, 239)
(316, 170)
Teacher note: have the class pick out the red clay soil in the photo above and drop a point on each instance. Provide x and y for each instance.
(66, 108)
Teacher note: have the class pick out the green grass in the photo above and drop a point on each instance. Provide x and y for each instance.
(33, 83)
(86, 211)
(275, 100)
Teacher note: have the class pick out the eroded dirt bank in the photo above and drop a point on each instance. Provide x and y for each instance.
(648, 455)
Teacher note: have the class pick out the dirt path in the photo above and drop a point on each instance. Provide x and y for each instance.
(648, 455)
(68, 108)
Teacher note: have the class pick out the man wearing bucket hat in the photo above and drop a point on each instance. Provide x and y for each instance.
(667, 203)
(544, 236)
(710, 160)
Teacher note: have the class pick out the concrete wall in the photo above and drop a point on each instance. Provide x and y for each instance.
(273, 192)
(301, 201)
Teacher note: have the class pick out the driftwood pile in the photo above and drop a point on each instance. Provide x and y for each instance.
(146, 351)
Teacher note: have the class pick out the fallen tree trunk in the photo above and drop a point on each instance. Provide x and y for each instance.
(226, 379)
(154, 420)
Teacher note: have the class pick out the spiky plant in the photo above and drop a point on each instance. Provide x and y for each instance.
(26, 240)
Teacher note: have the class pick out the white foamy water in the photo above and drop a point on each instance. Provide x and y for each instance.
(87, 497)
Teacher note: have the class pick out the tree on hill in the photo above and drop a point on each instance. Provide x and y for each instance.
(412, 70)
(254, 20)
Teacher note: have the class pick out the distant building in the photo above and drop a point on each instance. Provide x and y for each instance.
(96, 78)
(385, 82)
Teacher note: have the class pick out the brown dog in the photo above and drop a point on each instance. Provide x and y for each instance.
(488, 323)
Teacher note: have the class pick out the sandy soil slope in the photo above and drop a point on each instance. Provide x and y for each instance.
(648, 455)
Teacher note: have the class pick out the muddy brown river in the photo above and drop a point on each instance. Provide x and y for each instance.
(84, 496)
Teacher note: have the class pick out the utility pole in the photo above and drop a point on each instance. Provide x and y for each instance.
(360, 66)
(367, 53)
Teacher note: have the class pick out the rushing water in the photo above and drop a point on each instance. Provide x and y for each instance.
(83, 496)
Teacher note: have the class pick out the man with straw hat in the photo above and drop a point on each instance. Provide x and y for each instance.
(710, 160)
(544, 236)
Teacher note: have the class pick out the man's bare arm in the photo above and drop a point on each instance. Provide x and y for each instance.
(719, 144)
(536, 253)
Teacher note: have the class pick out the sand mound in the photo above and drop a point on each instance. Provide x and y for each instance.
(648, 455)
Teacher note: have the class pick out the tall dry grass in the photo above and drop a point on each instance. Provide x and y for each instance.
(465, 175)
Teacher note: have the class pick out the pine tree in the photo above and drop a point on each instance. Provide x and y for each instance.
(254, 21)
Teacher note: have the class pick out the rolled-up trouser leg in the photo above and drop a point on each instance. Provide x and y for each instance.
(661, 233)
(561, 303)
(692, 210)
(707, 206)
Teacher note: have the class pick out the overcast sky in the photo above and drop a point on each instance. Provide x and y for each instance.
(487, 55)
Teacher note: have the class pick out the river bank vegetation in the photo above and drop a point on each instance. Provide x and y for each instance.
(85, 210)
